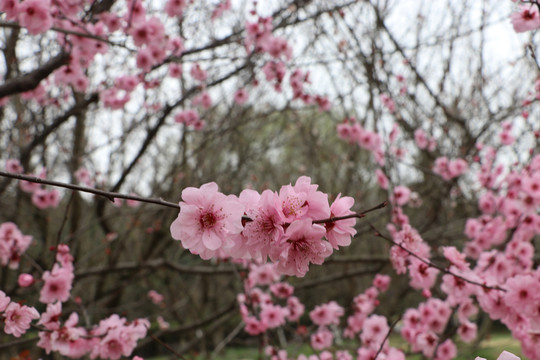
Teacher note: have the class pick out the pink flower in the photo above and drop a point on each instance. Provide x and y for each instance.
(296, 308)
(382, 179)
(156, 297)
(339, 232)
(326, 314)
(281, 290)
(187, 117)
(457, 167)
(523, 293)
(14, 166)
(204, 100)
(265, 274)
(304, 245)
(505, 355)
(374, 331)
(421, 139)
(198, 73)
(175, 70)
(531, 185)
(35, 15)
(304, 200)
(148, 32)
(11, 8)
(163, 325)
(526, 19)
(381, 282)
(12, 244)
(467, 331)
(254, 326)
(455, 257)
(207, 220)
(322, 339)
(117, 337)
(4, 301)
(57, 285)
(447, 350)
(422, 275)
(265, 232)
(401, 195)
(17, 318)
(240, 96)
(175, 8)
(273, 316)
(50, 318)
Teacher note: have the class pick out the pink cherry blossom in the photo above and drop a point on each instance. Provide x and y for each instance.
(381, 282)
(304, 245)
(326, 314)
(4, 301)
(505, 355)
(57, 285)
(12, 244)
(467, 331)
(175, 8)
(322, 339)
(339, 233)
(156, 297)
(265, 232)
(273, 316)
(527, 18)
(207, 220)
(401, 195)
(198, 73)
(35, 15)
(14, 166)
(281, 290)
(295, 307)
(241, 96)
(17, 318)
(374, 331)
(421, 139)
(10, 8)
(382, 179)
(447, 350)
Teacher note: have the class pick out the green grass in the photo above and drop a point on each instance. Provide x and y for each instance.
(489, 349)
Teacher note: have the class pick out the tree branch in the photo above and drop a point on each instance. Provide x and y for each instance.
(32, 79)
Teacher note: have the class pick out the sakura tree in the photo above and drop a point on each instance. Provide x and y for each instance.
(182, 176)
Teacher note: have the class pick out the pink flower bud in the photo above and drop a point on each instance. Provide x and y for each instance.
(25, 280)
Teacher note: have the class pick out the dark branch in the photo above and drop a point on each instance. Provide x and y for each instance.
(31, 80)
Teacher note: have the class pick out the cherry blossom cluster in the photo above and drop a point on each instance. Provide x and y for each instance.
(41, 198)
(57, 283)
(266, 302)
(13, 243)
(352, 131)
(281, 226)
(113, 338)
(190, 118)
(449, 169)
(424, 326)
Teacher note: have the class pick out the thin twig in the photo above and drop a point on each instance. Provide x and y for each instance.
(170, 349)
(386, 337)
(355, 215)
(107, 194)
(115, 195)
